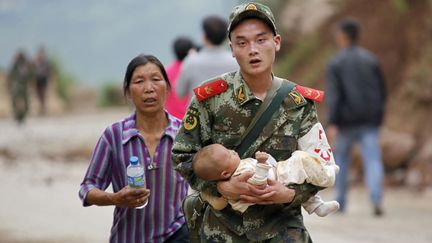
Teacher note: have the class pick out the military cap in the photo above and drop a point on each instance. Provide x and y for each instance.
(251, 10)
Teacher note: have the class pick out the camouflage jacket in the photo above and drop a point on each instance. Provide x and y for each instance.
(19, 78)
(222, 119)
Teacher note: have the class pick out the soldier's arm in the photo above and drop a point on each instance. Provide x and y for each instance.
(192, 136)
(304, 191)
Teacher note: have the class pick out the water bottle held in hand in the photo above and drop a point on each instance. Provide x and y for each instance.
(135, 174)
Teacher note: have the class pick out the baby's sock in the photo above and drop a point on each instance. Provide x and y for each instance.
(327, 208)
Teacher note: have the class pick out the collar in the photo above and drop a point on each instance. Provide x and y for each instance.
(130, 130)
(213, 48)
(350, 46)
(242, 90)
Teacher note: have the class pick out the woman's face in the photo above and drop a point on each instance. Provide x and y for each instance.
(148, 89)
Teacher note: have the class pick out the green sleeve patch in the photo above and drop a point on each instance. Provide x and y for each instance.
(294, 100)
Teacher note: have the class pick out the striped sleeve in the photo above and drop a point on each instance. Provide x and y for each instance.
(97, 175)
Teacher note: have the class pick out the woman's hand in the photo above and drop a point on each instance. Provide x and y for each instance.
(130, 197)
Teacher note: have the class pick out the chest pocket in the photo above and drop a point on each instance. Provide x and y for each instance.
(282, 146)
(226, 139)
(226, 136)
(283, 142)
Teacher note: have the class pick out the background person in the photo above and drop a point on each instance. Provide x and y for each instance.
(356, 97)
(43, 72)
(147, 133)
(211, 60)
(18, 79)
(175, 105)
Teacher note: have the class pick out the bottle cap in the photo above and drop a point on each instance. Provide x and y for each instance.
(133, 160)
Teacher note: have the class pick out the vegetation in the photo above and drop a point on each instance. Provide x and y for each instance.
(419, 87)
(65, 81)
(402, 6)
(111, 95)
(300, 54)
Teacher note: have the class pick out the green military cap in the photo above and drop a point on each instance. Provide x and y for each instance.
(251, 10)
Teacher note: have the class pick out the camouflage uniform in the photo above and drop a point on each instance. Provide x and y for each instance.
(222, 119)
(18, 80)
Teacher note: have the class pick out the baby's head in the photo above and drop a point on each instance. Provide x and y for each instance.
(214, 162)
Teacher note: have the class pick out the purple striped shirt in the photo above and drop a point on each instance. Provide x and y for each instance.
(163, 215)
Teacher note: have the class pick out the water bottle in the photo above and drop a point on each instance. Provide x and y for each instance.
(135, 174)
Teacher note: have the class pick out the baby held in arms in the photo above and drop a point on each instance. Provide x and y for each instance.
(215, 162)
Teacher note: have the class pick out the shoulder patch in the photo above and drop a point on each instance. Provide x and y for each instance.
(296, 99)
(190, 120)
(312, 94)
(210, 89)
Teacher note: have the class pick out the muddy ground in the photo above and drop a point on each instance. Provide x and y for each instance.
(42, 164)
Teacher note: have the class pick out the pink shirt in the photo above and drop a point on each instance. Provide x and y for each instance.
(175, 105)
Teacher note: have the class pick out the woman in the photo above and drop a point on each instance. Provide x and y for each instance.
(148, 133)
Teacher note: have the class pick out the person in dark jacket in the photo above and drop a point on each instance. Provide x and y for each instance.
(43, 73)
(356, 100)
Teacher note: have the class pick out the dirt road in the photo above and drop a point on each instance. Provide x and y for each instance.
(42, 164)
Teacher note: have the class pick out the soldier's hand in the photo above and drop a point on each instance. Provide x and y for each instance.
(236, 186)
(274, 193)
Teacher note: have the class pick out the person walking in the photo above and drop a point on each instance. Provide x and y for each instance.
(175, 105)
(147, 133)
(211, 60)
(43, 75)
(223, 110)
(356, 96)
(18, 79)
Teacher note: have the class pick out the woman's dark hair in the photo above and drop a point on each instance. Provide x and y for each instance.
(141, 60)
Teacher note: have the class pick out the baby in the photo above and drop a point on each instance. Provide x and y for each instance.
(215, 162)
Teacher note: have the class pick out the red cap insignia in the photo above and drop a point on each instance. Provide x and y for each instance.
(210, 89)
(313, 94)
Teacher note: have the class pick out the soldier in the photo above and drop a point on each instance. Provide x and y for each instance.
(221, 112)
(18, 78)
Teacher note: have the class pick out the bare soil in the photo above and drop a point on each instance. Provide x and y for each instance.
(42, 164)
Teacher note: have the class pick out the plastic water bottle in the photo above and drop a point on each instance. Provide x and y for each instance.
(135, 174)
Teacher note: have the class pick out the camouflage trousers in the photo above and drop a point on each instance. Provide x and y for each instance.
(212, 230)
(20, 106)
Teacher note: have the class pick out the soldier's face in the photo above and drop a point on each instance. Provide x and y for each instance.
(148, 89)
(254, 46)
